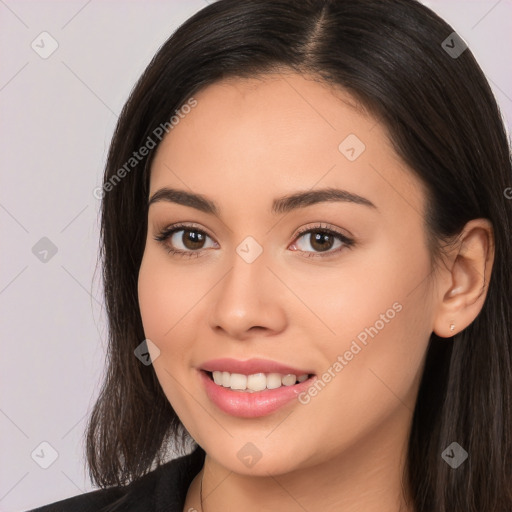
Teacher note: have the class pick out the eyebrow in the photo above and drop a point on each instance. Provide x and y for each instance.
(280, 205)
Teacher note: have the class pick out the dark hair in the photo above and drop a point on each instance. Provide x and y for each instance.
(443, 121)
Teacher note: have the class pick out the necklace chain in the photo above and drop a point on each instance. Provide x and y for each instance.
(201, 493)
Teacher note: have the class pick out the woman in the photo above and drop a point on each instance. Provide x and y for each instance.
(306, 246)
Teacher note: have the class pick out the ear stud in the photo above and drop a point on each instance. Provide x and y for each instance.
(452, 327)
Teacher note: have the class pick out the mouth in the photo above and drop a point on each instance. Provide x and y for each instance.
(253, 395)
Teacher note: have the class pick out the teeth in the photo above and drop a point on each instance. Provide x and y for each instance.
(274, 380)
(238, 381)
(289, 380)
(256, 381)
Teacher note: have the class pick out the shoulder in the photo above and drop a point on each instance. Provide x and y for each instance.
(164, 488)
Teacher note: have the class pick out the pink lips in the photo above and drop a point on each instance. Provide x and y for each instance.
(251, 405)
(250, 367)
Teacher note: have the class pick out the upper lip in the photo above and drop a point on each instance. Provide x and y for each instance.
(250, 366)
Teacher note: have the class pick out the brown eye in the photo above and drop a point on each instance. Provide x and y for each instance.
(185, 240)
(321, 241)
(192, 239)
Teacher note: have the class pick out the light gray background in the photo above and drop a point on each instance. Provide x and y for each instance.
(57, 117)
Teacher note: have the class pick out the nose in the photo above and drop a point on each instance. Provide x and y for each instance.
(249, 301)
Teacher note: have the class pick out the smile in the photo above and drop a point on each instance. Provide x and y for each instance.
(252, 388)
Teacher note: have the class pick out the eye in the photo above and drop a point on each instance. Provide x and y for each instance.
(321, 240)
(184, 240)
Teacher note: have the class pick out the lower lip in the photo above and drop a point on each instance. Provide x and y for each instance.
(251, 405)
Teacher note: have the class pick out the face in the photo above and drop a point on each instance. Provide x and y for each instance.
(334, 287)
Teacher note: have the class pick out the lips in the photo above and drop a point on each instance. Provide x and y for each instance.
(251, 366)
(245, 404)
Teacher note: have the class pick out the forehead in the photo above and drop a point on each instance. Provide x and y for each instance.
(285, 104)
(287, 91)
(274, 133)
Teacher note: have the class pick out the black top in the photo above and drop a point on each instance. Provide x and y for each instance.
(161, 490)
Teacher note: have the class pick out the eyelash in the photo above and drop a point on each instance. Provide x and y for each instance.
(167, 233)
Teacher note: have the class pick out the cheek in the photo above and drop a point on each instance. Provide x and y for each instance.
(156, 306)
(365, 284)
(164, 300)
(165, 295)
(162, 307)
(372, 364)
(375, 310)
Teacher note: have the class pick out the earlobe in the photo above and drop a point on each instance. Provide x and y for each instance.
(463, 286)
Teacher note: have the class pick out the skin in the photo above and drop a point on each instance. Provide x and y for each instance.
(247, 142)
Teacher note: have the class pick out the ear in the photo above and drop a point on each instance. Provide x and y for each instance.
(463, 285)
